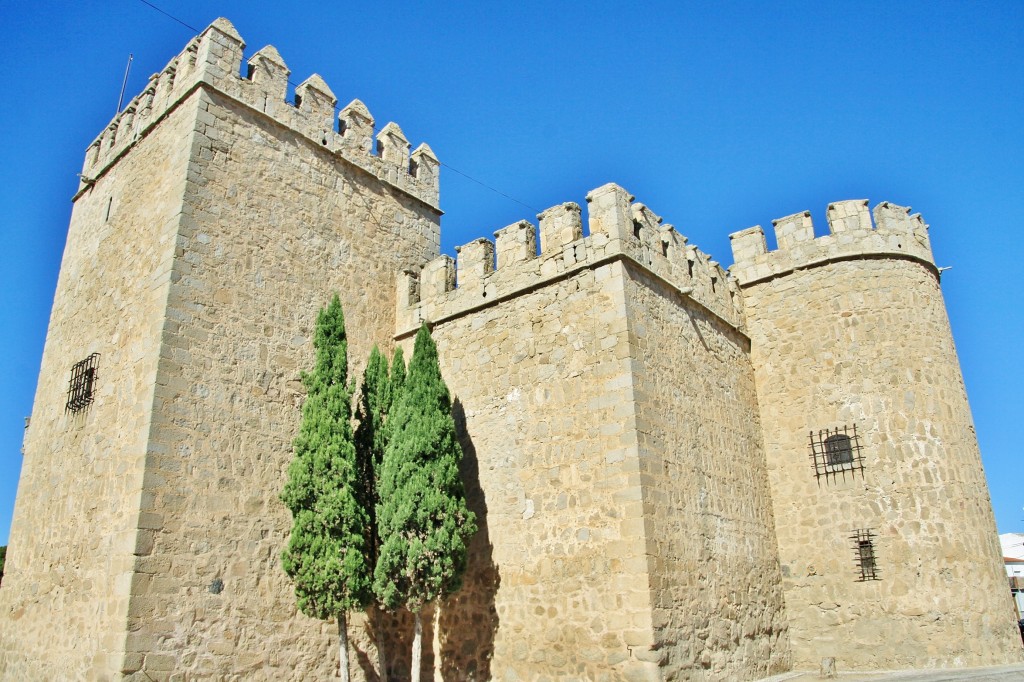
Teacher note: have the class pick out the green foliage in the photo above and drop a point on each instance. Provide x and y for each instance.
(396, 382)
(422, 515)
(371, 437)
(327, 553)
(397, 374)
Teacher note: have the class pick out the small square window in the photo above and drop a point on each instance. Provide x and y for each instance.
(836, 452)
(82, 387)
(864, 553)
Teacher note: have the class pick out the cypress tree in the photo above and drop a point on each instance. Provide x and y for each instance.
(370, 436)
(370, 440)
(397, 382)
(422, 517)
(327, 555)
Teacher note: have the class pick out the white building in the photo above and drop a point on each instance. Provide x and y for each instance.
(1013, 559)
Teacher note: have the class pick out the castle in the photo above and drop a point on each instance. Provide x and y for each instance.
(680, 472)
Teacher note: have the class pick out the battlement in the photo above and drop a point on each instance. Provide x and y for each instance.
(486, 272)
(894, 233)
(214, 58)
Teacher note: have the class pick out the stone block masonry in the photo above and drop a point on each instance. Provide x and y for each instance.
(654, 445)
(553, 358)
(619, 230)
(211, 228)
(848, 331)
(74, 540)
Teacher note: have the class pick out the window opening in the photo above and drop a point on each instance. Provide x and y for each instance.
(864, 554)
(838, 450)
(82, 387)
(110, 202)
(836, 453)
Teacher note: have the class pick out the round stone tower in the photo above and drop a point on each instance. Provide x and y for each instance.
(887, 540)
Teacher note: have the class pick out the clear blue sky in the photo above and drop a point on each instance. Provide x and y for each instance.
(718, 115)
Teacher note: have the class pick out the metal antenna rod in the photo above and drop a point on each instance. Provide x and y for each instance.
(124, 83)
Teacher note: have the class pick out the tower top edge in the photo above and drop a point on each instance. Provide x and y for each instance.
(855, 231)
(214, 59)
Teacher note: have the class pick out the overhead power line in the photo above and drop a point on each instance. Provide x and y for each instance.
(171, 16)
(468, 177)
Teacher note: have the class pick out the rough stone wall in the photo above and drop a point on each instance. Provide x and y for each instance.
(557, 586)
(718, 606)
(275, 226)
(605, 401)
(568, 366)
(619, 229)
(64, 602)
(851, 330)
(241, 216)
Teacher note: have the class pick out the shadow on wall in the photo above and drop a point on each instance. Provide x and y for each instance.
(468, 620)
(363, 656)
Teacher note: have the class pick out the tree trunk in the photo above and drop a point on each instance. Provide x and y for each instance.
(379, 617)
(342, 647)
(436, 642)
(417, 647)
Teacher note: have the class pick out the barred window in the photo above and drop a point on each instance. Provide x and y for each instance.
(82, 387)
(864, 553)
(836, 452)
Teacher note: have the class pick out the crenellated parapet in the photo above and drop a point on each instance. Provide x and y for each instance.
(487, 272)
(894, 233)
(214, 59)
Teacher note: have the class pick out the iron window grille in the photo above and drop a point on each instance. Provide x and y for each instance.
(82, 387)
(836, 452)
(864, 554)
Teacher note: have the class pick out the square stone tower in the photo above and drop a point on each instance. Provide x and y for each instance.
(213, 220)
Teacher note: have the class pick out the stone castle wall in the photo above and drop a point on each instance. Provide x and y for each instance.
(543, 384)
(635, 419)
(216, 355)
(74, 538)
(849, 329)
(304, 223)
(619, 230)
(713, 562)
(610, 413)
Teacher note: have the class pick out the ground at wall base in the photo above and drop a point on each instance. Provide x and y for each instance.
(998, 673)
